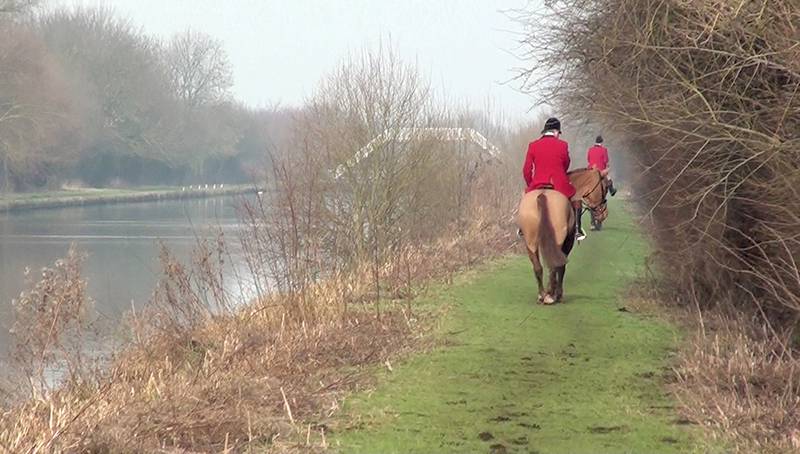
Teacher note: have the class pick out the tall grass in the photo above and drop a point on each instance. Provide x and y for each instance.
(738, 378)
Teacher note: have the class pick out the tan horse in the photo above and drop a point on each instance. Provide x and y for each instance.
(592, 187)
(547, 221)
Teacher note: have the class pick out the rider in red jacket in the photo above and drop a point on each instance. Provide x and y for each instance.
(597, 157)
(546, 166)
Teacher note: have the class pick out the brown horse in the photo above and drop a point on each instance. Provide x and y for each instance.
(547, 221)
(592, 187)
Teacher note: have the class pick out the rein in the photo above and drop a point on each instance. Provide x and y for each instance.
(603, 202)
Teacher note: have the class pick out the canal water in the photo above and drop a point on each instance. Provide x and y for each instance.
(121, 242)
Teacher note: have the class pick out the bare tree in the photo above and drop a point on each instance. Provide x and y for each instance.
(38, 123)
(373, 94)
(16, 6)
(199, 68)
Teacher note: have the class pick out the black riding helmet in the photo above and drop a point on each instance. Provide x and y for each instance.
(598, 139)
(552, 124)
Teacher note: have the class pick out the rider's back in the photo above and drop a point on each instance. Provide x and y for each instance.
(597, 157)
(549, 159)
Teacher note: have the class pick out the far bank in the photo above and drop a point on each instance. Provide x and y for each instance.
(89, 196)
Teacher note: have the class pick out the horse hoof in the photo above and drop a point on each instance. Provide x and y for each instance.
(548, 300)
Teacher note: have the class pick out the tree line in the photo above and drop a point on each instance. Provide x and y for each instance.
(86, 97)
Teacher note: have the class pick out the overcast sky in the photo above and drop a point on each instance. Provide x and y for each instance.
(281, 48)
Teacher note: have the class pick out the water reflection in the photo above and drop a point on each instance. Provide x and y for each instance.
(121, 242)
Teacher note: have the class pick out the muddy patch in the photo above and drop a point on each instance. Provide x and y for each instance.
(605, 429)
(500, 418)
(684, 422)
(485, 436)
(497, 449)
(532, 425)
(521, 441)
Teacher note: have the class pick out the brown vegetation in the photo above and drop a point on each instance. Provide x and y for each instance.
(330, 265)
(38, 129)
(738, 378)
(706, 94)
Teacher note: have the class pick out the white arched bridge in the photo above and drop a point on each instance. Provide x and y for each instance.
(404, 135)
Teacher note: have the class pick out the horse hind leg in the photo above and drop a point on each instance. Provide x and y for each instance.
(559, 290)
(537, 271)
(569, 242)
(549, 297)
(566, 248)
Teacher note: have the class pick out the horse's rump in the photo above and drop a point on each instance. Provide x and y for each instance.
(545, 217)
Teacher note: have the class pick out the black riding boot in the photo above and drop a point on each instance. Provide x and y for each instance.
(579, 233)
(611, 189)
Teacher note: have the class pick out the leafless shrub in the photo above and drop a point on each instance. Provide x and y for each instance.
(366, 178)
(50, 321)
(706, 94)
(737, 377)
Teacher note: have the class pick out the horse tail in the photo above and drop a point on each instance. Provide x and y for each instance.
(552, 254)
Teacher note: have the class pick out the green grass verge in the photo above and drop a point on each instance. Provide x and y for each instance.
(581, 377)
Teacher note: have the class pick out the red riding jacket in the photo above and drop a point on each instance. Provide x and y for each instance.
(598, 157)
(546, 164)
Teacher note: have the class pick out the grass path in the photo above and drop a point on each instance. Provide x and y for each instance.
(512, 376)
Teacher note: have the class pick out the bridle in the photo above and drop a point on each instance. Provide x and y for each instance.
(594, 188)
